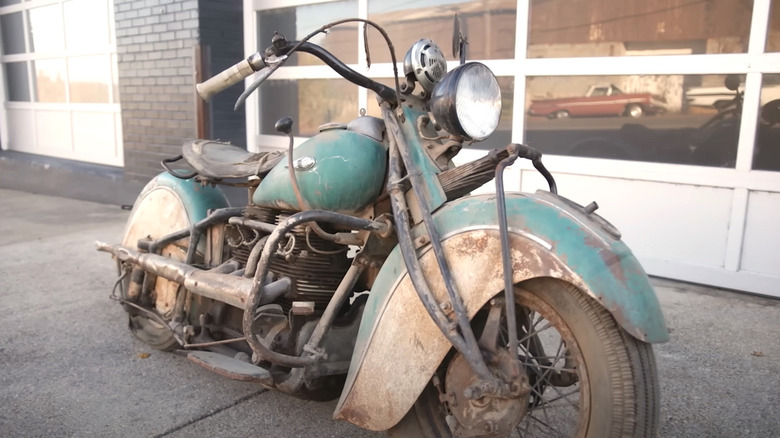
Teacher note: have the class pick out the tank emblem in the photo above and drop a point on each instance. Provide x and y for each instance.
(304, 163)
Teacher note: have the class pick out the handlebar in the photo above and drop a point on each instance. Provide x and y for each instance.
(230, 76)
(257, 61)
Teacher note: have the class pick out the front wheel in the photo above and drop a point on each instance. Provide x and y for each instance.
(588, 377)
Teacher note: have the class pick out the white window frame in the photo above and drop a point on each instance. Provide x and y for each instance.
(741, 179)
(109, 51)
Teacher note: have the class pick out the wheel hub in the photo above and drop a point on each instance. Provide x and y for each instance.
(487, 416)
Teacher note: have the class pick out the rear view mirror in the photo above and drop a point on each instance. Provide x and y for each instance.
(732, 82)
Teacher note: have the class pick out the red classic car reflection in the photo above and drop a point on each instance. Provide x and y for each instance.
(600, 100)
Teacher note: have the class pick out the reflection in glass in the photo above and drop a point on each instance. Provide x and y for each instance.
(489, 26)
(561, 28)
(49, 80)
(18, 84)
(310, 102)
(773, 33)
(86, 24)
(45, 29)
(12, 32)
(88, 79)
(766, 155)
(670, 119)
(297, 22)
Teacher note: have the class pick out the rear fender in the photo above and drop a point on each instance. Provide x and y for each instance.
(186, 201)
(399, 347)
(166, 205)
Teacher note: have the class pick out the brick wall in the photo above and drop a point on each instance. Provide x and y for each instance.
(156, 45)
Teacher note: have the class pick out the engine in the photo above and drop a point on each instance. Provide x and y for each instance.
(315, 265)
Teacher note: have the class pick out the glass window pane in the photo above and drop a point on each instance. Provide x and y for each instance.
(297, 22)
(12, 31)
(489, 26)
(766, 155)
(310, 102)
(562, 28)
(773, 33)
(682, 119)
(18, 84)
(86, 24)
(46, 29)
(49, 80)
(89, 78)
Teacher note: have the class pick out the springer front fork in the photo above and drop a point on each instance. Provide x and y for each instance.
(457, 331)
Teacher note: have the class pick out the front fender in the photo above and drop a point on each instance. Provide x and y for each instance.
(399, 346)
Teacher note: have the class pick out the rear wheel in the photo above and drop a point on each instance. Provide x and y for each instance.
(588, 377)
(157, 212)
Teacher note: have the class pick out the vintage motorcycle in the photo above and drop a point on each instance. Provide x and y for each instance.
(362, 270)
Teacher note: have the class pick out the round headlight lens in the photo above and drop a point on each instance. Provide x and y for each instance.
(467, 101)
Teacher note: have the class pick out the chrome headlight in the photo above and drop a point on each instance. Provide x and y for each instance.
(467, 102)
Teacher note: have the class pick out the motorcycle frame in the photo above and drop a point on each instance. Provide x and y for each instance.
(410, 163)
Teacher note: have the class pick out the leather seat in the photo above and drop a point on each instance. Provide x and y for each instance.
(217, 159)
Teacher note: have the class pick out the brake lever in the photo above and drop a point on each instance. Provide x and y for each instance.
(272, 63)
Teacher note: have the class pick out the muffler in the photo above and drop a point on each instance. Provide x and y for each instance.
(231, 289)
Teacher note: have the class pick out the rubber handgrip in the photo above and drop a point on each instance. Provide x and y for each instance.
(226, 78)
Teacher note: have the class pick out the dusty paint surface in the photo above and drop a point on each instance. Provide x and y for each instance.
(347, 176)
(432, 188)
(399, 343)
(167, 205)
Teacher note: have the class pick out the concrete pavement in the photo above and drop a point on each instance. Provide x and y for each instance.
(69, 366)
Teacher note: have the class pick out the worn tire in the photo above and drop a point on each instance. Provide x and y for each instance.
(621, 371)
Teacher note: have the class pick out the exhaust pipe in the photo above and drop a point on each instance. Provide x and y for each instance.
(231, 289)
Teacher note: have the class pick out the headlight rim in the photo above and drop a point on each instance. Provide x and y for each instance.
(443, 102)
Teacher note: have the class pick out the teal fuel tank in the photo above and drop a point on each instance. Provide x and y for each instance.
(337, 170)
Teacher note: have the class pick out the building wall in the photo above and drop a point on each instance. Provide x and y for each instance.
(157, 44)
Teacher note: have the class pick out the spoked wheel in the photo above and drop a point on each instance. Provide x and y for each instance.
(587, 377)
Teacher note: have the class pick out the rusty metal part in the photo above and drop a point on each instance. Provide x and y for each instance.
(214, 343)
(408, 338)
(252, 223)
(231, 368)
(336, 303)
(458, 332)
(136, 285)
(486, 416)
(231, 289)
(269, 251)
(316, 276)
(313, 347)
(506, 262)
(194, 232)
